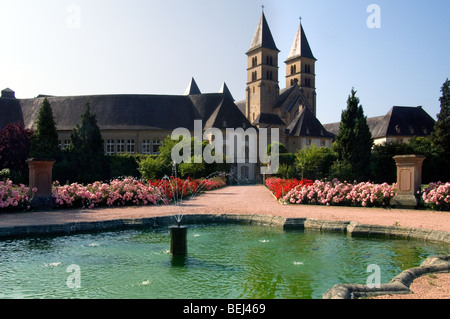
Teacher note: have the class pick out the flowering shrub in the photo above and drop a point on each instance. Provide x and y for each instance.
(128, 192)
(175, 189)
(280, 187)
(334, 193)
(437, 196)
(14, 197)
(118, 192)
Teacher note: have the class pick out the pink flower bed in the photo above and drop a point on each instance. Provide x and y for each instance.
(341, 193)
(14, 197)
(129, 192)
(116, 193)
(437, 196)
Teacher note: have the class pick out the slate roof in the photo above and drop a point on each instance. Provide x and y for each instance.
(227, 115)
(300, 47)
(192, 88)
(291, 97)
(263, 37)
(306, 124)
(128, 112)
(10, 112)
(268, 118)
(404, 121)
(399, 121)
(225, 90)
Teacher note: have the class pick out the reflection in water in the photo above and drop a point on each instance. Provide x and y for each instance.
(223, 261)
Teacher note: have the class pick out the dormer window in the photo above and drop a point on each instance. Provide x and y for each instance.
(397, 129)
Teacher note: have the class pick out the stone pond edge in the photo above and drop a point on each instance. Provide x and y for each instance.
(398, 285)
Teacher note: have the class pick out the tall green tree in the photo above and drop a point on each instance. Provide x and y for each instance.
(44, 142)
(354, 142)
(86, 151)
(441, 135)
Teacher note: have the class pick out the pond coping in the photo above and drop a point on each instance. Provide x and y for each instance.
(399, 284)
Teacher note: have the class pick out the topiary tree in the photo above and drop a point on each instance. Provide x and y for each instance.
(86, 152)
(44, 141)
(441, 134)
(354, 141)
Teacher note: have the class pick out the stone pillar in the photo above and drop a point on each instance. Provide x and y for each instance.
(40, 176)
(409, 178)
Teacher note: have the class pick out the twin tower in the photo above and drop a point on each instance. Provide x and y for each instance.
(263, 91)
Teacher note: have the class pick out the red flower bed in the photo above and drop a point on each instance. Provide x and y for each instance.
(176, 188)
(280, 187)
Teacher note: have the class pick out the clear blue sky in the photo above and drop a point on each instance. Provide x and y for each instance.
(78, 47)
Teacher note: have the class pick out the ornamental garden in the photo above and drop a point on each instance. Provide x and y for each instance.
(353, 172)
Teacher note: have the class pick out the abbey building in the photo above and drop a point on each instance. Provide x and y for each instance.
(132, 123)
(292, 109)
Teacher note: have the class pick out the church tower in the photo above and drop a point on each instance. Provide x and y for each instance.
(262, 73)
(300, 68)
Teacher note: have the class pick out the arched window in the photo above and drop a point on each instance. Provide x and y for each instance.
(254, 61)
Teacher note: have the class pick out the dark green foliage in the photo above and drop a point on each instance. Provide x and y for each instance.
(287, 159)
(14, 151)
(441, 135)
(282, 149)
(85, 156)
(125, 165)
(353, 143)
(383, 165)
(286, 171)
(162, 165)
(314, 162)
(44, 142)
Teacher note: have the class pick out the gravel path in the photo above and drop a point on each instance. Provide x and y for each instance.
(257, 199)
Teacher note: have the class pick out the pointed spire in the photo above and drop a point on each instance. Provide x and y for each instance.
(300, 47)
(263, 37)
(226, 91)
(192, 88)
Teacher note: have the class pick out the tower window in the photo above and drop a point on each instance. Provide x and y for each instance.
(307, 68)
(254, 61)
(254, 76)
(269, 60)
(269, 75)
(307, 82)
(293, 69)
